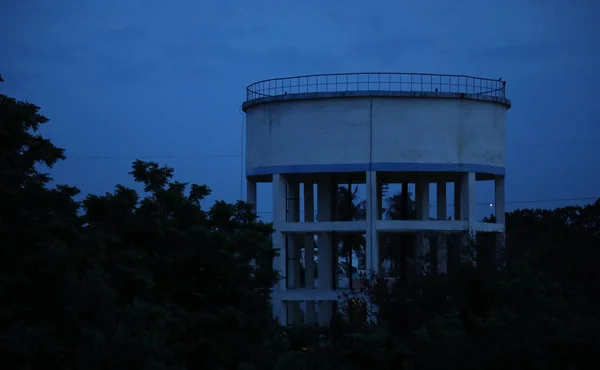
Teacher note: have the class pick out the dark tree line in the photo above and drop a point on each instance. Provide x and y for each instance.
(124, 280)
(152, 280)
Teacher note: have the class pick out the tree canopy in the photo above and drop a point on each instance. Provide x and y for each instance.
(124, 280)
(153, 280)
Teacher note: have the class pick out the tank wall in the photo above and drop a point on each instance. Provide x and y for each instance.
(304, 135)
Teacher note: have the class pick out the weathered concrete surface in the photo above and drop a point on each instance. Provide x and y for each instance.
(315, 135)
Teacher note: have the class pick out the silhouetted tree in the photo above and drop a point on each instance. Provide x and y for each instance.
(128, 280)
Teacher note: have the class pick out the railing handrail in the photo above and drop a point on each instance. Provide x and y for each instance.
(370, 73)
(477, 85)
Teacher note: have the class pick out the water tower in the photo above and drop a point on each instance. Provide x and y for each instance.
(315, 132)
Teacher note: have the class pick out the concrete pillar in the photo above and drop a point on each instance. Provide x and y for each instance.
(309, 202)
(500, 252)
(293, 201)
(379, 198)
(422, 195)
(373, 204)
(441, 247)
(499, 200)
(293, 249)
(293, 210)
(379, 215)
(325, 244)
(279, 262)
(455, 240)
(372, 248)
(422, 210)
(404, 254)
(468, 206)
(457, 200)
(251, 193)
(309, 253)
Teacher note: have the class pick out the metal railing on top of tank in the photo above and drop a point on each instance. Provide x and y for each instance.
(396, 82)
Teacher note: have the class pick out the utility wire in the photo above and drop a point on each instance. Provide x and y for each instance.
(241, 156)
(206, 155)
(237, 155)
(557, 143)
(507, 202)
(546, 200)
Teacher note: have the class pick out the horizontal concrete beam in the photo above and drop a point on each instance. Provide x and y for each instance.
(414, 167)
(308, 295)
(389, 226)
(439, 226)
(323, 227)
(409, 226)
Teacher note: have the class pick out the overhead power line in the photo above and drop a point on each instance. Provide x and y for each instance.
(237, 155)
(553, 143)
(487, 204)
(241, 155)
(549, 200)
(172, 156)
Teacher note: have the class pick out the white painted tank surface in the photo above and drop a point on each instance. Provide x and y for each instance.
(379, 122)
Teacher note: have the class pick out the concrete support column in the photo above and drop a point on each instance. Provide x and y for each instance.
(422, 200)
(455, 240)
(293, 249)
(500, 200)
(457, 200)
(372, 248)
(309, 253)
(293, 209)
(378, 216)
(403, 256)
(468, 206)
(251, 193)
(441, 258)
(309, 202)
(279, 262)
(325, 244)
(379, 198)
(422, 195)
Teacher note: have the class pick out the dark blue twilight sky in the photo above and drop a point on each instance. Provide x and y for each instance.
(164, 80)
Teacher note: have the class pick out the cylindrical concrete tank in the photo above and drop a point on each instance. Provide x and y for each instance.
(371, 128)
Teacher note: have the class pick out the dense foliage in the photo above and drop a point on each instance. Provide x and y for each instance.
(154, 281)
(124, 281)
